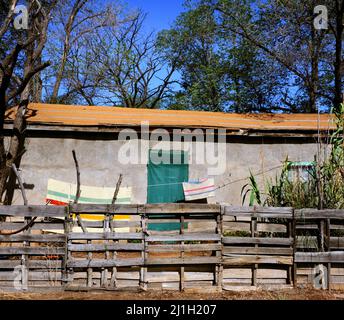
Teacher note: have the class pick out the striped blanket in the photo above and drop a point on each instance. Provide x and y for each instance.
(62, 193)
(200, 189)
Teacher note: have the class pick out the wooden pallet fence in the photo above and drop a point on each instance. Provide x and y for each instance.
(213, 247)
(320, 248)
(258, 247)
(34, 257)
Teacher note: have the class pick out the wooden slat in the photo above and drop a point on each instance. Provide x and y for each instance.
(148, 209)
(104, 263)
(255, 259)
(103, 209)
(34, 238)
(263, 241)
(182, 208)
(106, 247)
(264, 212)
(258, 250)
(337, 242)
(33, 211)
(32, 264)
(106, 236)
(115, 224)
(319, 257)
(31, 251)
(185, 247)
(183, 261)
(186, 237)
(313, 214)
(37, 226)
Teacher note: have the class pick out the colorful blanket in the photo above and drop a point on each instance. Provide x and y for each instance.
(62, 193)
(200, 189)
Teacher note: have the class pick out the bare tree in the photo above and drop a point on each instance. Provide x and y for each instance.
(15, 84)
(118, 65)
(135, 73)
(74, 22)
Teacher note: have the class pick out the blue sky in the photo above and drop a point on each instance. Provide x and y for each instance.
(161, 13)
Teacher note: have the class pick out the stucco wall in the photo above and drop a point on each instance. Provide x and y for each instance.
(52, 158)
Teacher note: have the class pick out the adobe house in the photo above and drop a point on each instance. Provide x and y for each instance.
(111, 140)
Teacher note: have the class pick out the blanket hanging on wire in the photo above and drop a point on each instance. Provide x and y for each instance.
(199, 189)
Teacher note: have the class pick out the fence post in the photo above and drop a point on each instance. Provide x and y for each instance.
(255, 266)
(143, 270)
(182, 268)
(65, 257)
(293, 235)
(328, 247)
(219, 230)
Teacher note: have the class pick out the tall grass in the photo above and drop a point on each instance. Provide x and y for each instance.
(325, 186)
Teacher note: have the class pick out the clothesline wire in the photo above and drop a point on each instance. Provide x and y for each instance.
(219, 187)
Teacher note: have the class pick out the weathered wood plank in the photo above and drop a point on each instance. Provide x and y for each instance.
(185, 247)
(313, 214)
(32, 264)
(58, 238)
(35, 251)
(182, 208)
(320, 257)
(261, 227)
(263, 212)
(106, 236)
(115, 224)
(183, 261)
(103, 209)
(258, 250)
(104, 263)
(106, 247)
(255, 259)
(186, 237)
(337, 243)
(32, 211)
(263, 241)
(37, 226)
(148, 209)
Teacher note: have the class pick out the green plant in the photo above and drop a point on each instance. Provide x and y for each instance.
(253, 189)
(324, 187)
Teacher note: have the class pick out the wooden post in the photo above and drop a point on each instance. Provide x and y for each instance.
(143, 270)
(182, 268)
(113, 281)
(28, 222)
(328, 248)
(104, 277)
(290, 268)
(294, 222)
(65, 258)
(89, 270)
(255, 266)
(69, 254)
(219, 267)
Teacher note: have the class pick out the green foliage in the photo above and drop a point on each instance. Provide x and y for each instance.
(254, 191)
(285, 192)
(325, 187)
(332, 172)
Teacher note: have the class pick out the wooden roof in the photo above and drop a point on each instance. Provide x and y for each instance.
(86, 116)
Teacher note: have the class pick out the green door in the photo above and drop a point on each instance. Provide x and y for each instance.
(165, 180)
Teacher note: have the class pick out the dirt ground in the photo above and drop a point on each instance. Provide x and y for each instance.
(298, 294)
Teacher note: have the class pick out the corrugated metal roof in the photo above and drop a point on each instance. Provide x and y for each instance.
(67, 115)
